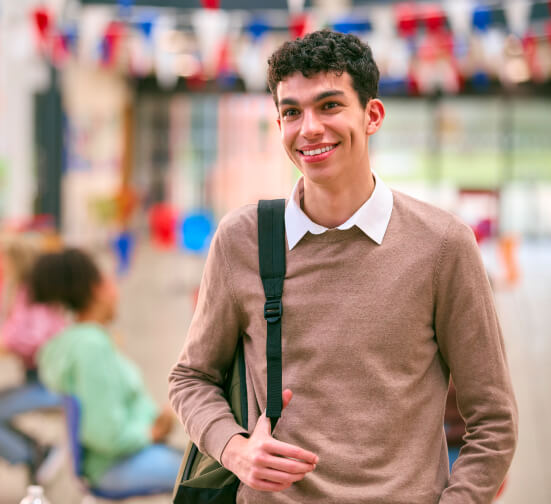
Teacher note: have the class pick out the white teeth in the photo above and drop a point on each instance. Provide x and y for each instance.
(315, 152)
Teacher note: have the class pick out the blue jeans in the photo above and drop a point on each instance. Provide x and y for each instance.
(153, 467)
(16, 447)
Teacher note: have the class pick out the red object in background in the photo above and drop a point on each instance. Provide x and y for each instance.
(434, 18)
(224, 65)
(60, 50)
(162, 225)
(530, 45)
(111, 40)
(298, 25)
(483, 230)
(406, 19)
(412, 83)
(210, 4)
(42, 19)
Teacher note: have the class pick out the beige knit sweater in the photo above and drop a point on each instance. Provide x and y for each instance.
(370, 334)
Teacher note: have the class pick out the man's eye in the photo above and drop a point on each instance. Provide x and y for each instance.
(290, 112)
(330, 105)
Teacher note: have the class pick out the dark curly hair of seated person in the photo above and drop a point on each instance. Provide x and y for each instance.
(326, 51)
(66, 277)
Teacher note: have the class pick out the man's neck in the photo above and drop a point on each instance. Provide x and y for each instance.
(332, 206)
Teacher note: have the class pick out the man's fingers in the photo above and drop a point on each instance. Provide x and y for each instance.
(290, 466)
(268, 486)
(287, 396)
(273, 476)
(278, 448)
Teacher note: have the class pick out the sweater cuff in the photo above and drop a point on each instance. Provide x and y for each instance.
(217, 436)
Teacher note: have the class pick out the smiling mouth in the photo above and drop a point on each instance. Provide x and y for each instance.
(316, 152)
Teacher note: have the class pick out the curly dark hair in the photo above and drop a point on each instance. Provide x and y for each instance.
(326, 51)
(66, 277)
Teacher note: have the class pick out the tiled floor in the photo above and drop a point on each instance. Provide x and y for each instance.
(155, 310)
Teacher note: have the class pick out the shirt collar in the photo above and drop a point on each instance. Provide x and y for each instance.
(372, 217)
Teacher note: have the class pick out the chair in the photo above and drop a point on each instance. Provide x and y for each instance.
(72, 415)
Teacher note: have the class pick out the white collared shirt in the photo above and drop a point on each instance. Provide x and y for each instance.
(372, 217)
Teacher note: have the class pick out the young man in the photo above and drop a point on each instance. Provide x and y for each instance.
(384, 297)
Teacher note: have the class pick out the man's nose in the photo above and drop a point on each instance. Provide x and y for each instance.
(311, 125)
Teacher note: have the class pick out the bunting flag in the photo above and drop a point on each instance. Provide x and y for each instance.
(211, 4)
(92, 27)
(165, 56)
(60, 50)
(295, 6)
(257, 28)
(299, 25)
(407, 19)
(110, 46)
(434, 18)
(482, 18)
(518, 15)
(43, 24)
(460, 16)
(145, 42)
(252, 66)
(211, 28)
(349, 24)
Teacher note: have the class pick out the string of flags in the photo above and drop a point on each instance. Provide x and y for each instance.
(420, 47)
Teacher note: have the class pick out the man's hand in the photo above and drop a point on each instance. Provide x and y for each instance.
(162, 425)
(265, 464)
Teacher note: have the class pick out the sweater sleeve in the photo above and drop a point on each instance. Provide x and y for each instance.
(471, 343)
(195, 382)
(113, 422)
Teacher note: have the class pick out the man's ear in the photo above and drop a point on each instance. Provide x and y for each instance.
(375, 114)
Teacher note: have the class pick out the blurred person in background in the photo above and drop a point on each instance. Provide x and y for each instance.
(25, 327)
(384, 297)
(121, 428)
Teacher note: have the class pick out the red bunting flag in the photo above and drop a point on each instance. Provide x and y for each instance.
(210, 4)
(111, 42)
(434, 18)
(42, 20)
(406, 19)
(298, 25)
(60, 50)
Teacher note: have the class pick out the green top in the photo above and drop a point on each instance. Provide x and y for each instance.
(116, 411)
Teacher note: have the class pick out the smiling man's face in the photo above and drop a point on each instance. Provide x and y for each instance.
(324, 127)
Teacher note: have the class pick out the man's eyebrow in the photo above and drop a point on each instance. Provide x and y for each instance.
(317, 98)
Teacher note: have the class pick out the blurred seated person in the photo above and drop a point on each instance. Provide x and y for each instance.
(25, 327)
(121, 428)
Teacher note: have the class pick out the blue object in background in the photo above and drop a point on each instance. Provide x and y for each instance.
(197, 230)
(482, 18)
(481, 81)
(123, 246)
(146, 23)
(258, 27)
(352, 25)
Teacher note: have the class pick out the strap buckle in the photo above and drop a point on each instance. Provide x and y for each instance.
(273, 310)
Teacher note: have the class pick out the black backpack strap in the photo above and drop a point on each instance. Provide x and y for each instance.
(271, 255)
